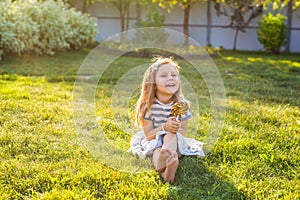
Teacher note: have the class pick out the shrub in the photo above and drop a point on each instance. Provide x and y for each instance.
(272, 32)
(152, 19)
(33, 27)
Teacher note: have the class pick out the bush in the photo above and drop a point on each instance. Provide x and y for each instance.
(272, 32)
(152, 19)
(32, 27)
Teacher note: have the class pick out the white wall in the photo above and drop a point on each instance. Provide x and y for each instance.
(108, 19)
(109, 24)
(295, 34)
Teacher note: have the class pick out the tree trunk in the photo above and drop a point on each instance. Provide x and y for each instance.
(122, 22)
(127, 15)
(235, 37)
(289, 24)
(138, 14)
(186, 22)
(208, 30)
(84, 6)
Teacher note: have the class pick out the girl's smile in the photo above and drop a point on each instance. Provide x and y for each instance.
(167, 81)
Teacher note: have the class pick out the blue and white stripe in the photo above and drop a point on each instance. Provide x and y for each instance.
(160, 113)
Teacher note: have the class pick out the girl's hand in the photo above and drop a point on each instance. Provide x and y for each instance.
(172, 125)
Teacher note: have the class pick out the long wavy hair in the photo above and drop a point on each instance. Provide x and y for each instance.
(149, 84)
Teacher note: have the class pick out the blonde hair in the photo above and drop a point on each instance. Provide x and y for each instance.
(148, 86)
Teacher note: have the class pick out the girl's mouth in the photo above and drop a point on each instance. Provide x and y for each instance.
(170, 85)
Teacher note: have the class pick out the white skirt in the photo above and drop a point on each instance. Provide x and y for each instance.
(142, 147)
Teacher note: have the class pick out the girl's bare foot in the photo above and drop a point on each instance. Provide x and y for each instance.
(163, 155)
(171, 167)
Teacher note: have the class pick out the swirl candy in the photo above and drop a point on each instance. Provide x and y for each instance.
(179, 108)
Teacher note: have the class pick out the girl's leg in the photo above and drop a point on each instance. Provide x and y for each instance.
(160, 157)
(170, 143)
(170, 171)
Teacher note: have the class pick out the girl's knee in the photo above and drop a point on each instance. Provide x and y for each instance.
(170, 135)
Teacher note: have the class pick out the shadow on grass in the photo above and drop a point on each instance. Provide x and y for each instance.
(250, 75)
(194, 181)
(55, 68)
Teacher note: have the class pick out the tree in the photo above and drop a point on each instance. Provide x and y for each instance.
(296, 4)
(280, 4)
(85, 4)
(186, 5)
(240, 13)
(123, 7)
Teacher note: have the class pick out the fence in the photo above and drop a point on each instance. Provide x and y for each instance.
(205, 26)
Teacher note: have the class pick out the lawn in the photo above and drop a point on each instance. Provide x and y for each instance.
(256, 157)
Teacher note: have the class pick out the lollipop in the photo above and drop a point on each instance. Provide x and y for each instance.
(178, 109)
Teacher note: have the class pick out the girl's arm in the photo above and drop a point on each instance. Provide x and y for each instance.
(171, 126)
(183, 127)
(149, 131)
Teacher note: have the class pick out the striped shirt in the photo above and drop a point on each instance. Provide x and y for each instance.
(160, 113)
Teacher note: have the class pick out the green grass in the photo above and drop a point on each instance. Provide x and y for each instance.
(256, 157)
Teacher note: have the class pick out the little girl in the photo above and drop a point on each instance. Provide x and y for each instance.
(162, 137)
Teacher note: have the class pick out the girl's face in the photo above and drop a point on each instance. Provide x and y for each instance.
(167, 80)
